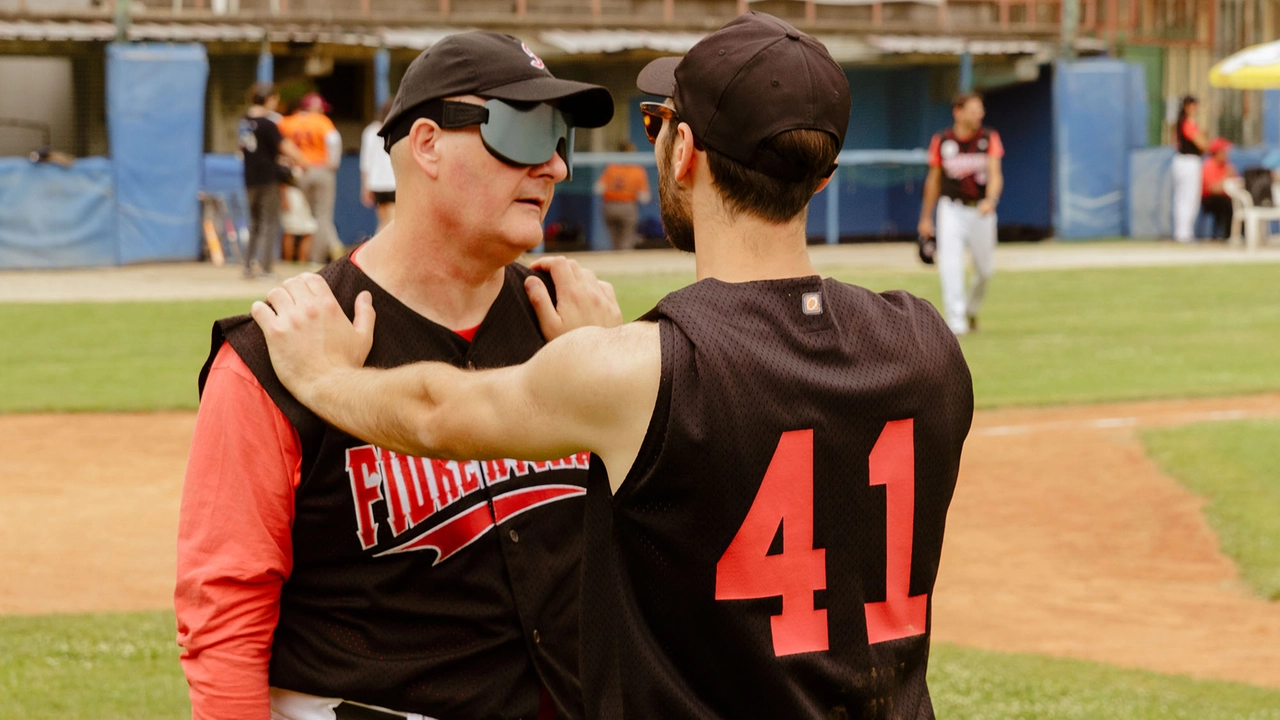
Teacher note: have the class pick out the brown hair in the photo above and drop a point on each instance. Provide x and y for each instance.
(959, 100)
(261, 92)
(770, 198)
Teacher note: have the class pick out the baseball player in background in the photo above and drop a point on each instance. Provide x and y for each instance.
(324, 578)
(1190, 143)
(964, 183)
(773, 452)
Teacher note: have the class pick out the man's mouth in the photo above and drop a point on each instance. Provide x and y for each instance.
(534, 201)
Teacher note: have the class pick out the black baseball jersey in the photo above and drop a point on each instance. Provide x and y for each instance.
(964, 163)
(437, 587)
(259, 139)
(1183, 130)
(773, 551)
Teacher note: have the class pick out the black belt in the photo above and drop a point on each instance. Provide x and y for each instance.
(351, 711)
(966, 203)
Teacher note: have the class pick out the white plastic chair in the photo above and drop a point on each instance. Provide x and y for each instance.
(1246, 216)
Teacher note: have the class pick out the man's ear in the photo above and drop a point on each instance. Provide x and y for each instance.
(684, 155)
(826, 180)
(424, 146)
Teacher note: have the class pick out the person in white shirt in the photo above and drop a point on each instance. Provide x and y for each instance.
(377, 181)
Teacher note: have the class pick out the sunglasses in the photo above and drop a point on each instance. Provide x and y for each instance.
(515, 133)
(653, 115)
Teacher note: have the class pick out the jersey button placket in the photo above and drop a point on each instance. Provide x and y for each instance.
(537, 637)
(515, 536)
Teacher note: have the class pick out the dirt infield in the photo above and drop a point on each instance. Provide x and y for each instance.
(1063, 538)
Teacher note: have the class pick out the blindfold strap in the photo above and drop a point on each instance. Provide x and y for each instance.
(448, 114)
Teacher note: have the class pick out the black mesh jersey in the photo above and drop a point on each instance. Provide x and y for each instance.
(773, 551)
(443, 588)
(964, 163)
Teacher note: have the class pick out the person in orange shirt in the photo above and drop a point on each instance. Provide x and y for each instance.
(1213, 199)
(318, 139)
(625, 187)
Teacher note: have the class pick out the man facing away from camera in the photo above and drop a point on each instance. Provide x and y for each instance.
(773, 452)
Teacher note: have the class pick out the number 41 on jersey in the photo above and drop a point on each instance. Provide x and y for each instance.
(747, 571)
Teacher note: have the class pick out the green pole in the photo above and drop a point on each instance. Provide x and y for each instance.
(122, 17)
(1070, 26)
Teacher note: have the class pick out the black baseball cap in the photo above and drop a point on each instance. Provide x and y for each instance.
(494, 65)
(748, 81)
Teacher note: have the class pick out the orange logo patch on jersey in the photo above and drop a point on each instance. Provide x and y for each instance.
(812, 303)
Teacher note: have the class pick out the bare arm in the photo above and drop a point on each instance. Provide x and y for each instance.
(932, 189)
(995, 184)
(591, 389)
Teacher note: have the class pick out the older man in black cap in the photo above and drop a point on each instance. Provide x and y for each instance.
(774, 452)
(323, 577)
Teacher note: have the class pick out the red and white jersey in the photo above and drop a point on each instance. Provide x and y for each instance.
(964, 162)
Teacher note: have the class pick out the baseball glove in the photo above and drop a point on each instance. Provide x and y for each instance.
(926, 246)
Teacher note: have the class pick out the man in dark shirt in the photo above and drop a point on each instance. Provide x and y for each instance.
(774, 452)
(262, 145)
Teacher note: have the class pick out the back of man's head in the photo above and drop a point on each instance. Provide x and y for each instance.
(811, 152)
(769, 106)
(261, 92)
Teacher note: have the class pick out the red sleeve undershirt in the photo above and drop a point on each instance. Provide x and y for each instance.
(235, 545)
(235, 542)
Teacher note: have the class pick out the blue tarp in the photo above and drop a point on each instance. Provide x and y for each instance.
(55, 217)
(1092, 100)
(1151, 193)
(155, 125)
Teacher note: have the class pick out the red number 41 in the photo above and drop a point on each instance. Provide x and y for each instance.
(747, 571)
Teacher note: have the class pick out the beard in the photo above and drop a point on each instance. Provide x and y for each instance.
(673, 202)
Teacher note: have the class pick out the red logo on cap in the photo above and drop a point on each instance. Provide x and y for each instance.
(537, 61)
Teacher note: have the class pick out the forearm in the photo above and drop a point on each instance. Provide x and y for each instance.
(932, 188)
(234, 547)
(395, 409)
(995, 186)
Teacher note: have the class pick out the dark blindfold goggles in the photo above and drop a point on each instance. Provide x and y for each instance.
(515, 133)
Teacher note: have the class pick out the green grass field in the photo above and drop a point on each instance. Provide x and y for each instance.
(1047, 338)
(1236, 467)
(125, 667)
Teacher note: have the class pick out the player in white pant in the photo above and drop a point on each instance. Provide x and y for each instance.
(1187, 165)
(961, 226)
(965, 171)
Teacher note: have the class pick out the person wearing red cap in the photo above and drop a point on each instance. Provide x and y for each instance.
(1214, 199)
(315, 134)
(773, 452)
(322, 577)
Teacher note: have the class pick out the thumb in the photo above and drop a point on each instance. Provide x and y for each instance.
(540, 298)
(363, 322)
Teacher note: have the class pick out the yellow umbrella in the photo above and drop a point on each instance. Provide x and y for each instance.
(1255, 68)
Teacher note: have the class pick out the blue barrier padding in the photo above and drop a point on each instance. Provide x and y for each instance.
(1150, 205)
(355, 222)
(55, 217)
(1092, 139)
(155, 127)
(1271, 117)
(224, 175)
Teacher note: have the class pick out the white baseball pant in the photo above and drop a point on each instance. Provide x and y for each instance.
(960, 226)
(1186, 196)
